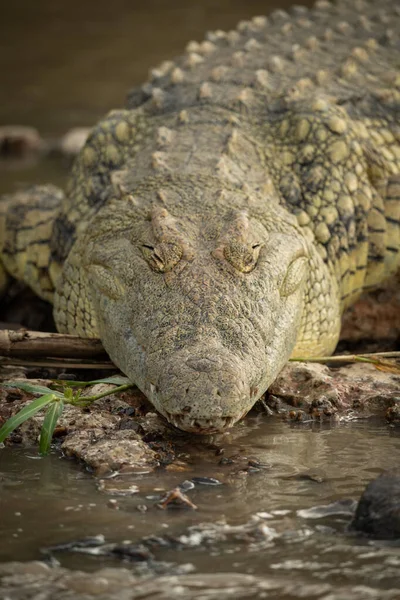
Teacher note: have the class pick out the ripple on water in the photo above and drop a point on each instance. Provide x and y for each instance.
(288, 513)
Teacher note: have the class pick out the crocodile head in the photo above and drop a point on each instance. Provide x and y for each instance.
(201, 313)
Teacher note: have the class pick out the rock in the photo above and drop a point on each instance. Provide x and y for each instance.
(18, 140)
(301, 384)
(72, 142)
(111, 451)
(378, 511)
(317, 391)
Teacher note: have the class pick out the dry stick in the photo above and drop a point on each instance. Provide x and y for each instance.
(26, 348)
(21, 343)
(63, 364)
(39, 349)
(373, 357)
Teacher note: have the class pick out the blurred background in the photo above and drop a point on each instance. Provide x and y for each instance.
(63, 63)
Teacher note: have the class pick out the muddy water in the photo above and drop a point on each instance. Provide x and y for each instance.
(64, 64)
(47, 501)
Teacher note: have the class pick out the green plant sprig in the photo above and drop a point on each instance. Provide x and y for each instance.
(54, 400)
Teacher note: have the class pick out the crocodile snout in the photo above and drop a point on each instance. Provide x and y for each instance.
(203, 393)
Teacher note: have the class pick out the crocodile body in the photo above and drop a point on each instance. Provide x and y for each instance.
(223, 221)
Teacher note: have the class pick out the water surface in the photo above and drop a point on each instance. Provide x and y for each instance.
(47, 501)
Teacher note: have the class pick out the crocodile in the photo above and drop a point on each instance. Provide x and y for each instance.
(222, 221)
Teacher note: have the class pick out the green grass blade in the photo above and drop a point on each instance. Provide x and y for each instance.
(117, 380)
(26, 413)
(52, 415)
(32, 388)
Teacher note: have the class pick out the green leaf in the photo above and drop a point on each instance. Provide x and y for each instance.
(32, 388)
(117, 380)
(52, 415)
(26, 413)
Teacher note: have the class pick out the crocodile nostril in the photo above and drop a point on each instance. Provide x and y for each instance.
(205, 364)
(186, 409)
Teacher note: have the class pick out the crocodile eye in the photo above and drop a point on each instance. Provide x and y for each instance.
(242, 256)
(294, 276)
(163, 257)
(106, 283)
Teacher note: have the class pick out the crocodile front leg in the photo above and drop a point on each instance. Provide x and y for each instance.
(26, 224)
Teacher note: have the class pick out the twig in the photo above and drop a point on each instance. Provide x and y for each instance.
(22, 343)
(23, 347)
(64, 363)
(373, 358)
